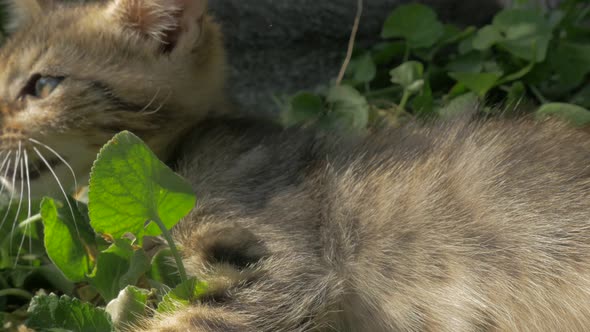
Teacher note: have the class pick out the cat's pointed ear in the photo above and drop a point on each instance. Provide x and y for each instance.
(22, 12)
(167, 21)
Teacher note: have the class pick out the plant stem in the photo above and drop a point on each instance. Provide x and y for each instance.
(16, 292)
(539, 95)
(407, 52)
(173, 248)
(405, 97)
(355, 28)
(30, 220)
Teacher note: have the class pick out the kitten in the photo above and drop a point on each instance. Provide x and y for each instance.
(459, 226)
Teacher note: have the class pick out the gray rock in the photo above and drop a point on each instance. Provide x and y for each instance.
(281, 46)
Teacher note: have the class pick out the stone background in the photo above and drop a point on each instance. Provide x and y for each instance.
(282, 46)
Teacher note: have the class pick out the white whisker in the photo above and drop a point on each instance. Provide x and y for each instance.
(28, 183)
(60, 187)
(161, 104)
(20, 199)
(151, 101)
(25, 231)
(4, 163)
(11, 192)
(63, 160)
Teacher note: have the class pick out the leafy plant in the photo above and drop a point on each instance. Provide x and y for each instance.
(132, 195)
(526, 56)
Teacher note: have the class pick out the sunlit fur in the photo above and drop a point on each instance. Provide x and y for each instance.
(462, 226)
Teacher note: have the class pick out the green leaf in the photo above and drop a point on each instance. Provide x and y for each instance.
(110, 269)
(423, 103)
(571, 63)
(452, 34)
(70, 243)
(407, 74)
(516, 93)
(129, 186)
(466, 45)
(582, 98)
(181, 296)
(129, 307)
(304, 107)
(139, 264)
(386, 52)
(348, 109)
(526, 33)
(162, 270)
(471, 62)
(480, 83)
(416, 23)
(576, 115)
(486, 37)
(365, 69)
(49, 312)
(459, 105)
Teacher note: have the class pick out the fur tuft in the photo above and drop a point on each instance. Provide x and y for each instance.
(162, 20)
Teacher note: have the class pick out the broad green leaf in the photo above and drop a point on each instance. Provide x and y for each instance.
(466, 45)
(119, 266)
(480, 83)
(526, 33)
(110, 269)
(486, 37)
(365, 69)
(452, 34)
(415, 23)
(386, 52)
(407, 74)
(181, 296)
(576, 115)
(129, 187)
(459, 105)
(348, 109)
(138, 266)
(162, 270)
(571, 63)
(129, 307)
(582, 98)
(471, 62)
(70, 243)
(304, 107)
(49, 312)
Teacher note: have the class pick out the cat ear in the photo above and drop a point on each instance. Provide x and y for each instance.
(166, 21)
(22, 12)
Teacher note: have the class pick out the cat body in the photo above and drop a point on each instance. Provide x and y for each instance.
(461, 226)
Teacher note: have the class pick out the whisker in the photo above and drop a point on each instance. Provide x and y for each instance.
(63, 160)
(60, 187)
(4, 163)
(20, 200)
(28, 183)
(151, 101)
(161, 104)
(11, 192)
(28, 201)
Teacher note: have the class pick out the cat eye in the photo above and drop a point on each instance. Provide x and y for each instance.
(40, 86)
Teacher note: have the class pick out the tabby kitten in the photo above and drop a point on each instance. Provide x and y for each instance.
(461, 226)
